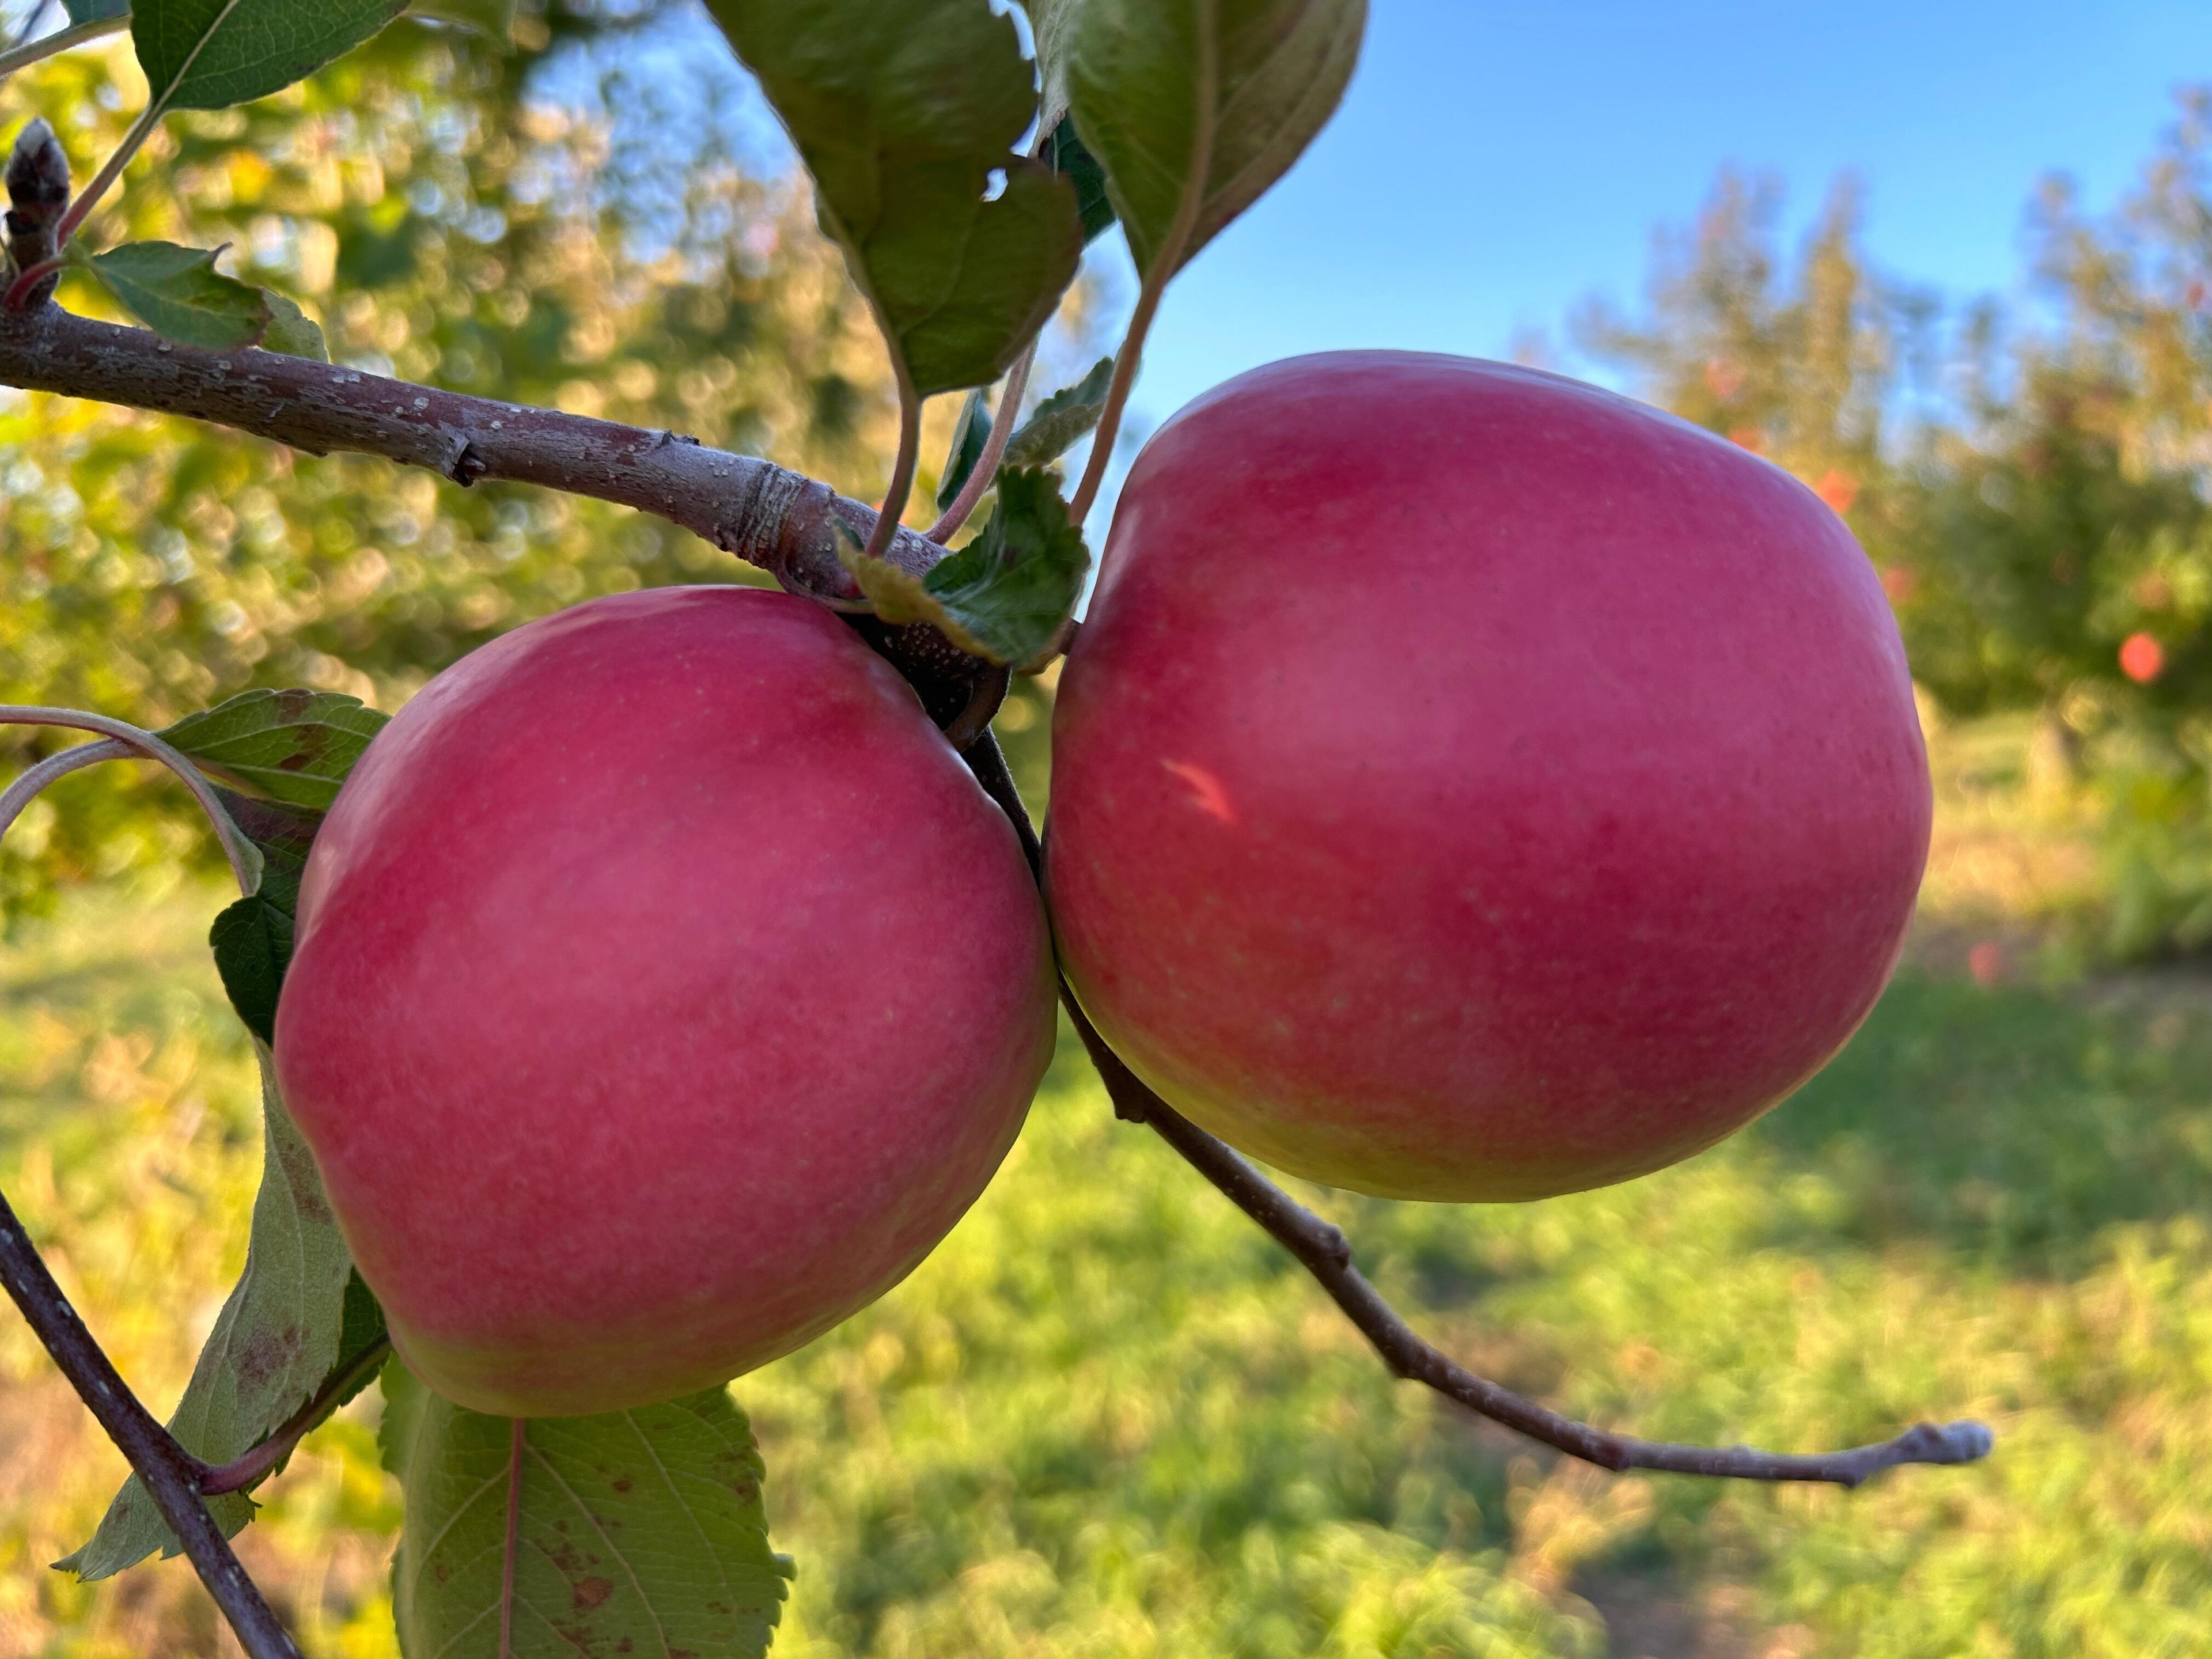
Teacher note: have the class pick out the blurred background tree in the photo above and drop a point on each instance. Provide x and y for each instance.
(574, 219)
(2034, 483)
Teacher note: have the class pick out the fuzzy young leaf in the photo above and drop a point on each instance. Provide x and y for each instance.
(639, 1531)
(1003, 596)
(969, 434)
(276, 1339)
(1070, 157)
(1061, 421)
(177, 293)
(904, 113)
(291, 331)
(1194, 107)
(292, 746)
(210, 54)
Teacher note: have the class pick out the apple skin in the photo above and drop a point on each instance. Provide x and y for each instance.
(1472, 785)
(664, 989)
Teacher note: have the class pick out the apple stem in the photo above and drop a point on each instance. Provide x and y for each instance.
(983, 701)
(1324, 1251)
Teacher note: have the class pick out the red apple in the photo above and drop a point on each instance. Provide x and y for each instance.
(664, 989)
(1470, 784)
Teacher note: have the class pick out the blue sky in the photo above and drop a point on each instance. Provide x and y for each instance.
(1494, 162)
(1497, 160)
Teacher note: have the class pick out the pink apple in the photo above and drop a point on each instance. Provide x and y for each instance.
(1470, 784)
(666, 989)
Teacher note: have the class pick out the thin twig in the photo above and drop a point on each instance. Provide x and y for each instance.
(782, 521)
(135, 139)
(258, 1464)
(1324, 1252)
(245, 857)
(169, 1474)
(972, 488)
(34, 780)
(26, 51)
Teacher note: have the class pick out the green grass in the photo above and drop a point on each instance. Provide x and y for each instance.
(1109, 1419)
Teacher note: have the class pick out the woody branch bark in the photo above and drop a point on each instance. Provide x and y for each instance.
(769, 516)
(171, 1475)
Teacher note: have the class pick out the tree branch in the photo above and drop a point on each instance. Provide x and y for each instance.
(170, 1474)
(767, 515)
(1323, 1250)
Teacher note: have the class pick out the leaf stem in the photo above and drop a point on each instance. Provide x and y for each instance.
(1323, 1251)
(903, 469)
(110, 171)
(26, 52)
(994, 448)
(27, 280)
(1117, 394)
(135, 140)
(34, 780)
(1166, 260)
(258, 1464)
(245, 857)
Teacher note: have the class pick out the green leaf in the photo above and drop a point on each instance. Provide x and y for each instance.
(639, 1531)
(904, 113)
(252, 939)
(1061, 421)
(252, 945)
(969, 434)
(291, 331)
(292, 746)
(177, 293)
(493, 17)
(1070, 156)
(1194, 107)
(360, 1328)
(1006, 595)
(276, 1339)
(210, 54)
(297, 746)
